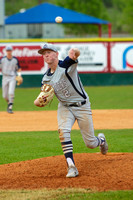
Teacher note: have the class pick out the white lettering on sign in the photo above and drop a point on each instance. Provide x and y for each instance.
(24, 52)
(93, 56)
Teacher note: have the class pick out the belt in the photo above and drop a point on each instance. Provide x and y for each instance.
(8, 75)
(78, 104)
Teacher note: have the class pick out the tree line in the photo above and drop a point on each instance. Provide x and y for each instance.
(118, 12)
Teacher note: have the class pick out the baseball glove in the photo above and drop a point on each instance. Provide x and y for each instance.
(19, 80)
(46, 95)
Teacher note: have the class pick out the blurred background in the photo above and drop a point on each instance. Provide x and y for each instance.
(102, 30)
(118, 12)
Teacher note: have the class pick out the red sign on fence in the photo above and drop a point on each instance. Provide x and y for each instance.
(28, 57)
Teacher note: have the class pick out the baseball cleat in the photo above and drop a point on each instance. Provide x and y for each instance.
(10, 111)
(103, 143)
(72, 172)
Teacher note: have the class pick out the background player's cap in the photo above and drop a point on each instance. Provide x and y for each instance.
(47, 46)
(9, 48)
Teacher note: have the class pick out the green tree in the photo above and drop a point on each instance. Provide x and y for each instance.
(128, 17)
(94, 8)
(13, 6)
(108, 3)
(119, 4)
(115, 13)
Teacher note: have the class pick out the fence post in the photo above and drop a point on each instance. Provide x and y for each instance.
(109, 56)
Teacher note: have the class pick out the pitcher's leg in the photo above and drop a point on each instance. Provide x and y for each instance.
(87, 130)
(65, 122)
(84, 118)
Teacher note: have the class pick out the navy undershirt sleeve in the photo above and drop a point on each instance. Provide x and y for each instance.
(67, 62)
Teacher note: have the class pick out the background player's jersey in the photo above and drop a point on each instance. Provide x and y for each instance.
(9, 66)
(66, 82)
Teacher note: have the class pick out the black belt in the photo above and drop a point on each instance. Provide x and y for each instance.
(78, 104)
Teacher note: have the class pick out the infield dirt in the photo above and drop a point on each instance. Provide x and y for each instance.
(113, 171)
(47, 120)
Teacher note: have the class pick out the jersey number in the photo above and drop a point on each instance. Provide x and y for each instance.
(66, 93)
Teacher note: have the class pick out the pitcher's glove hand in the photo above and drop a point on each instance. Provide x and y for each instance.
(46, 95)
(19, 80)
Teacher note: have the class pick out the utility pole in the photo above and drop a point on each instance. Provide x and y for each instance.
(2, 18)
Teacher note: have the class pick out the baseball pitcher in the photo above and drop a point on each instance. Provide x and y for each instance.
(74, 102)
(10, 68)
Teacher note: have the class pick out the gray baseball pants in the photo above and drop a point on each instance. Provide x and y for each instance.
(68, 115)
(8, 88)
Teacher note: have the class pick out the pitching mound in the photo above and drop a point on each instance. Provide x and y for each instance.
(97, 172)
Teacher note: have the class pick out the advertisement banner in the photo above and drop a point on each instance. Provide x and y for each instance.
(29, 59)
(93, 57)
(122, 57)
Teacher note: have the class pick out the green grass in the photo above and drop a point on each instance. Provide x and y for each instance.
(111, 97)
(64, 194)
(113, 195)
(20, 146)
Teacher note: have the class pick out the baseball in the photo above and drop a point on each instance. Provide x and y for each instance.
(58, 19)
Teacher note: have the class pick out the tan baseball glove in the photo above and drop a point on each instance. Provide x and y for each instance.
(46, 95)
(19, 80)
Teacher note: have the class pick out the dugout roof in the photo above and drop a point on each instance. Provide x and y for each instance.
(46, 13)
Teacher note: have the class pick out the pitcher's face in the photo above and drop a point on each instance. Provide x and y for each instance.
(50, 56)
(9, 53)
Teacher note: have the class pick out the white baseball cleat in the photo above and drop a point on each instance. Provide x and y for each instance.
(103, 143)
(72, 172)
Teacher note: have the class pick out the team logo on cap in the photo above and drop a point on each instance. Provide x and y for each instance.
(45, 46)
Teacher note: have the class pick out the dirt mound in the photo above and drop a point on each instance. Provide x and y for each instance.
(97, 172)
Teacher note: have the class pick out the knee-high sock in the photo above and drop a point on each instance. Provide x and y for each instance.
(67, 148)
(10, 105)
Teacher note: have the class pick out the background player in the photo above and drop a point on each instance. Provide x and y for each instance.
(73, 103)
(10, 67)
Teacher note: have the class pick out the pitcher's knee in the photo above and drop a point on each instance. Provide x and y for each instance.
(64, 135)
(91, 144)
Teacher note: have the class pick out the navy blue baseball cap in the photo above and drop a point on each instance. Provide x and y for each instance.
(47, 46)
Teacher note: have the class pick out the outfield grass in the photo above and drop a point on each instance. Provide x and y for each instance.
(111, 97)
(20, 146)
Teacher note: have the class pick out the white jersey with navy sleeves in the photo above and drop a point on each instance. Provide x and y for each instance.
(9, 66)
(66, 82)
